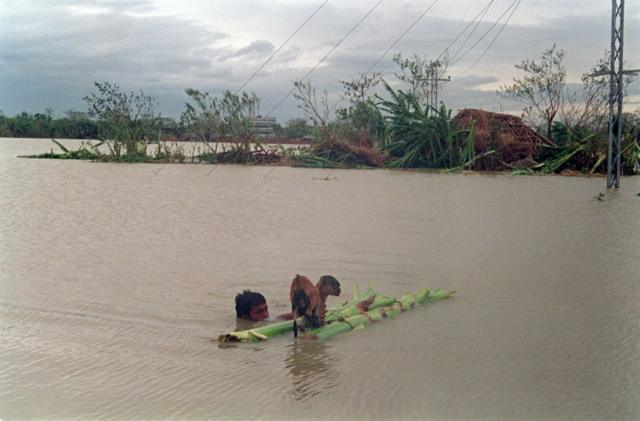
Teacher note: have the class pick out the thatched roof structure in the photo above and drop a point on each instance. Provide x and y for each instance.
(514, 143)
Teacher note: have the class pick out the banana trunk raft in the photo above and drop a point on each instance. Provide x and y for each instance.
(359, 312)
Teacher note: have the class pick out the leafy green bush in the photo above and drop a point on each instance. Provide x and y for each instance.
(129, 119)
(422, 137)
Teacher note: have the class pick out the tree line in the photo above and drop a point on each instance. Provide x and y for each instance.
(375, 121)
(73, 125)
(80, 125)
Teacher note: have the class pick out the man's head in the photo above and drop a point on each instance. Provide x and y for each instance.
(251, 306)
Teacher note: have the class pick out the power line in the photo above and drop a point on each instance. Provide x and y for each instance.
(457, 59)
(280, 48)
(415, 22)
(466, 12)
(477, 20)
(493, 40)
(427, 10)
(327, 55)
(480, 15)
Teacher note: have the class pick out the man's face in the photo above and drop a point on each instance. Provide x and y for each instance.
(259, 312)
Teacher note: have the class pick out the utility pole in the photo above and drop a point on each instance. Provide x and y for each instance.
(616, 87)
(434, 78)
(433, 92)
(616, 92)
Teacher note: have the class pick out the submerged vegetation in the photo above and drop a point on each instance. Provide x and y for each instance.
(333, 153)
(397, 127)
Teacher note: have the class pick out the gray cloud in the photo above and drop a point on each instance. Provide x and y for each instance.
(259, 49)
(42, 67)
(50, 56)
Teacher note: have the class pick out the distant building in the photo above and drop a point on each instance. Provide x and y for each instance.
(167, 124)
(77, 115)
(263, 127)
(167, 128)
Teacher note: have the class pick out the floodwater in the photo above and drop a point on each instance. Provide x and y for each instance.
(115, 278)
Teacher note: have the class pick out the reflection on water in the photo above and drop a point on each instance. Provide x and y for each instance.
(311, 366)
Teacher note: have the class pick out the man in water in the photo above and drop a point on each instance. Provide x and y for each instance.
(251, 306)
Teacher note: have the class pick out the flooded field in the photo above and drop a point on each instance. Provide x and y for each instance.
(115, 277)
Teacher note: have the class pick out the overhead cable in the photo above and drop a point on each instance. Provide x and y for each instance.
(475, 22)
(466, 12)
(511, 6)
(415, 22)
(310, 72)
(246, 82)
(493, 40)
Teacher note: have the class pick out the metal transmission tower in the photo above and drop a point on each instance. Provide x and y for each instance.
(616, 86)
(616, 92)
(433, 89)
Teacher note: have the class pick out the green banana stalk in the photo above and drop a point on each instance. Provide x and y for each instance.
(378, 313)
(371, 308)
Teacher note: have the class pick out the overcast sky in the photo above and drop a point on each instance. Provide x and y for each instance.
(52, 51)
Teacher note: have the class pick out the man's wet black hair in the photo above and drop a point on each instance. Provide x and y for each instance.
(246, 300)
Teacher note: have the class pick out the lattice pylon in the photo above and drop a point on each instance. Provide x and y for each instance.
(615, 94)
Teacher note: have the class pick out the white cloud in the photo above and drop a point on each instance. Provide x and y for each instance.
(88, 10)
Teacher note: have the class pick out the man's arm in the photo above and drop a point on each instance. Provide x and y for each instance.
(285, 316)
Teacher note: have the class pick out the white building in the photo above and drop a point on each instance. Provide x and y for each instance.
(263, 127)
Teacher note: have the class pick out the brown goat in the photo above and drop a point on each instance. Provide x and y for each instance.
(327, 285)
(309, 301)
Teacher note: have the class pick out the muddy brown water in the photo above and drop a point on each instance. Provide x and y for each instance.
(114, 278)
